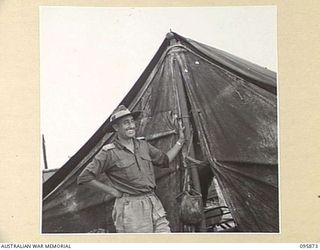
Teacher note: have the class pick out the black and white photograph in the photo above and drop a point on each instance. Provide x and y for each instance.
(159, 120)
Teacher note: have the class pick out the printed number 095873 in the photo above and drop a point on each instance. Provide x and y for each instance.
(308, 246)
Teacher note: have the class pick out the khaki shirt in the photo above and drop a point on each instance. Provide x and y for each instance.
(129, 172)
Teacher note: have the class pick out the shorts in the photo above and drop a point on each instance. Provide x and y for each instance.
(140, 214)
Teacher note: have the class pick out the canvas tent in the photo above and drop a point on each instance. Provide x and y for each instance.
(229, 108)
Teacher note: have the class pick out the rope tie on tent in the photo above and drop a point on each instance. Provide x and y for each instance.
(186, 183)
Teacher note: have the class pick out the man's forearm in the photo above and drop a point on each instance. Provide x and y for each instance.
(104, 188)
(172, 153)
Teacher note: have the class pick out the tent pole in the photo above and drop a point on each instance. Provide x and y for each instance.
(44, 152)
(183, 113)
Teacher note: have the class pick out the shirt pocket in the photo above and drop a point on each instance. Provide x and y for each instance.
(146, 160)
(127, 169)
(149, 166)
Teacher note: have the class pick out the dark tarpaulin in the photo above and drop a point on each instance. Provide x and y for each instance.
(232, 110)
(238, 120)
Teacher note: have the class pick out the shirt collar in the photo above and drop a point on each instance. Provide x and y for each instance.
(119, 145)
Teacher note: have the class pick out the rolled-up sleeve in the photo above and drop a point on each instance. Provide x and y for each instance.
(158, 158)
(94, 168)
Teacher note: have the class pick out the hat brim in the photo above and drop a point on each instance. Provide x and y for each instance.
(134, 114)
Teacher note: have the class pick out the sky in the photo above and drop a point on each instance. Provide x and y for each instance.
(90, 57)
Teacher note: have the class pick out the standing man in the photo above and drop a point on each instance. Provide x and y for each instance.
(128, 162)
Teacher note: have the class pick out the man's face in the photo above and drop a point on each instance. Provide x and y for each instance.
(126, 127)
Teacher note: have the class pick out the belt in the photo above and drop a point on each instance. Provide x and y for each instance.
(138, 195)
